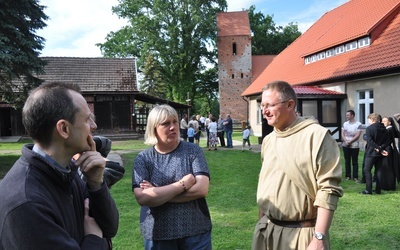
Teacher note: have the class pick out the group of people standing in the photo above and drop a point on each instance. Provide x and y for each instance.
(215, 130)
(381, 151)
(46, 203)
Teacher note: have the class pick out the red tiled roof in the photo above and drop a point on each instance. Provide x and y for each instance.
(233, 23)
(311, 90)
(259, 63)
(93, 73)
(361, 17)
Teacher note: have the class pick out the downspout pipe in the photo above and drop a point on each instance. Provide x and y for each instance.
(247, 109)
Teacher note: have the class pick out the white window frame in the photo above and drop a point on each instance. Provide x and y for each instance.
(329, 53)
(363, 42)
(367, 101)
(351, 46)
(339, 49)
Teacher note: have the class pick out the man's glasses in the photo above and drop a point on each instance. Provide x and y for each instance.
(268, 106)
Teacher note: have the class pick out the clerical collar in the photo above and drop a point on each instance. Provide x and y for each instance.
(52, 162)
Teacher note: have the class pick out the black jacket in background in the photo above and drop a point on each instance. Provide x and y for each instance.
(377, 137)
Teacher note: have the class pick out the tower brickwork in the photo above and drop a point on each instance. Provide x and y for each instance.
(234, 63)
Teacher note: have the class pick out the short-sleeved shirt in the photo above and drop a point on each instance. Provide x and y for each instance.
(350, 130)
(172, 220)
(195, 125)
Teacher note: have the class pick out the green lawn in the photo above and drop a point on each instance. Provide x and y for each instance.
(360, 222)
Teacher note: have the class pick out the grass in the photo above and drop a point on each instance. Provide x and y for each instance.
(360, 222)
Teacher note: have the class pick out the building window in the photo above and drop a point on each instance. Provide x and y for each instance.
(104, 98)
(351, 46)
(330, 52)
(365, 105)
(329, 111)
(259, 113)
(310, 108)
(241, 75)
(339, 49)
(313, 58)
(233, 76)
(364, 42)
(234, 48)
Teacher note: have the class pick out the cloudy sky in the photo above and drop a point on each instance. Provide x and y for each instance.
(75, 26)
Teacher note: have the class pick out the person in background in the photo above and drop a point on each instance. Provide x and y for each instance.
(228, 123)
(197, 129)
(221, 131)
(184, 127)
(391, 162)
(351, 132)
(396, 117)
(298, 187)
(206, 123)
(44, 202)
(378, 144)
(246, 137)
(191, 133)
(213, 138)
(362, 181)
(171, 179)
(113, 171)
(202, 121)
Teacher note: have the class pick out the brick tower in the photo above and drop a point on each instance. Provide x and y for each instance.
(234, 62)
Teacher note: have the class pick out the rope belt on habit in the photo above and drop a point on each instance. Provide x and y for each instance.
(294, 224)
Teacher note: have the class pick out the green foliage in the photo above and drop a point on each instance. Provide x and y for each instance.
(269, 39)
(7, 161)
(152, 82)
(177, 35)
(20, 48)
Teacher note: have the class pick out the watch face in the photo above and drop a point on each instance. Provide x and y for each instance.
(319, 236)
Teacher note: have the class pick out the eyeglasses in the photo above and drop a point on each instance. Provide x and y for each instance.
(268, 106)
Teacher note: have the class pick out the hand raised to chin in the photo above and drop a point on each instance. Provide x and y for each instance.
(92, 165)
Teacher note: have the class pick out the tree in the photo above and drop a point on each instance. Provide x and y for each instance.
(20, 48)
(152, 83)
(269, 39)
(179, 35)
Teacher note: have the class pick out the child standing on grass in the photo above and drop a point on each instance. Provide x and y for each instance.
(190, 133)
(246, 137)
(212, 134)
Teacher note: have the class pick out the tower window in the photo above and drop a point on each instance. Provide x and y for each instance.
(233, 76)
(234, 48)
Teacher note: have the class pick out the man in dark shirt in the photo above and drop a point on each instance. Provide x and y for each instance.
(44, 202)
(228, 129)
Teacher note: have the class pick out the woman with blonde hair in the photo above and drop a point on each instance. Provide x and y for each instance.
(171, 179)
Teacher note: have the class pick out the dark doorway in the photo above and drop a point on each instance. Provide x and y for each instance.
(5, 122)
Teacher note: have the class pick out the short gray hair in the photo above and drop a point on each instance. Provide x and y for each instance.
(158, 115)
(285, 90)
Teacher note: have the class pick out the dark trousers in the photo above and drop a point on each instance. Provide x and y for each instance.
(184, 133)
(351, 158)
(369, 163)
(208, 136)
(221, 138)
(363, 169)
